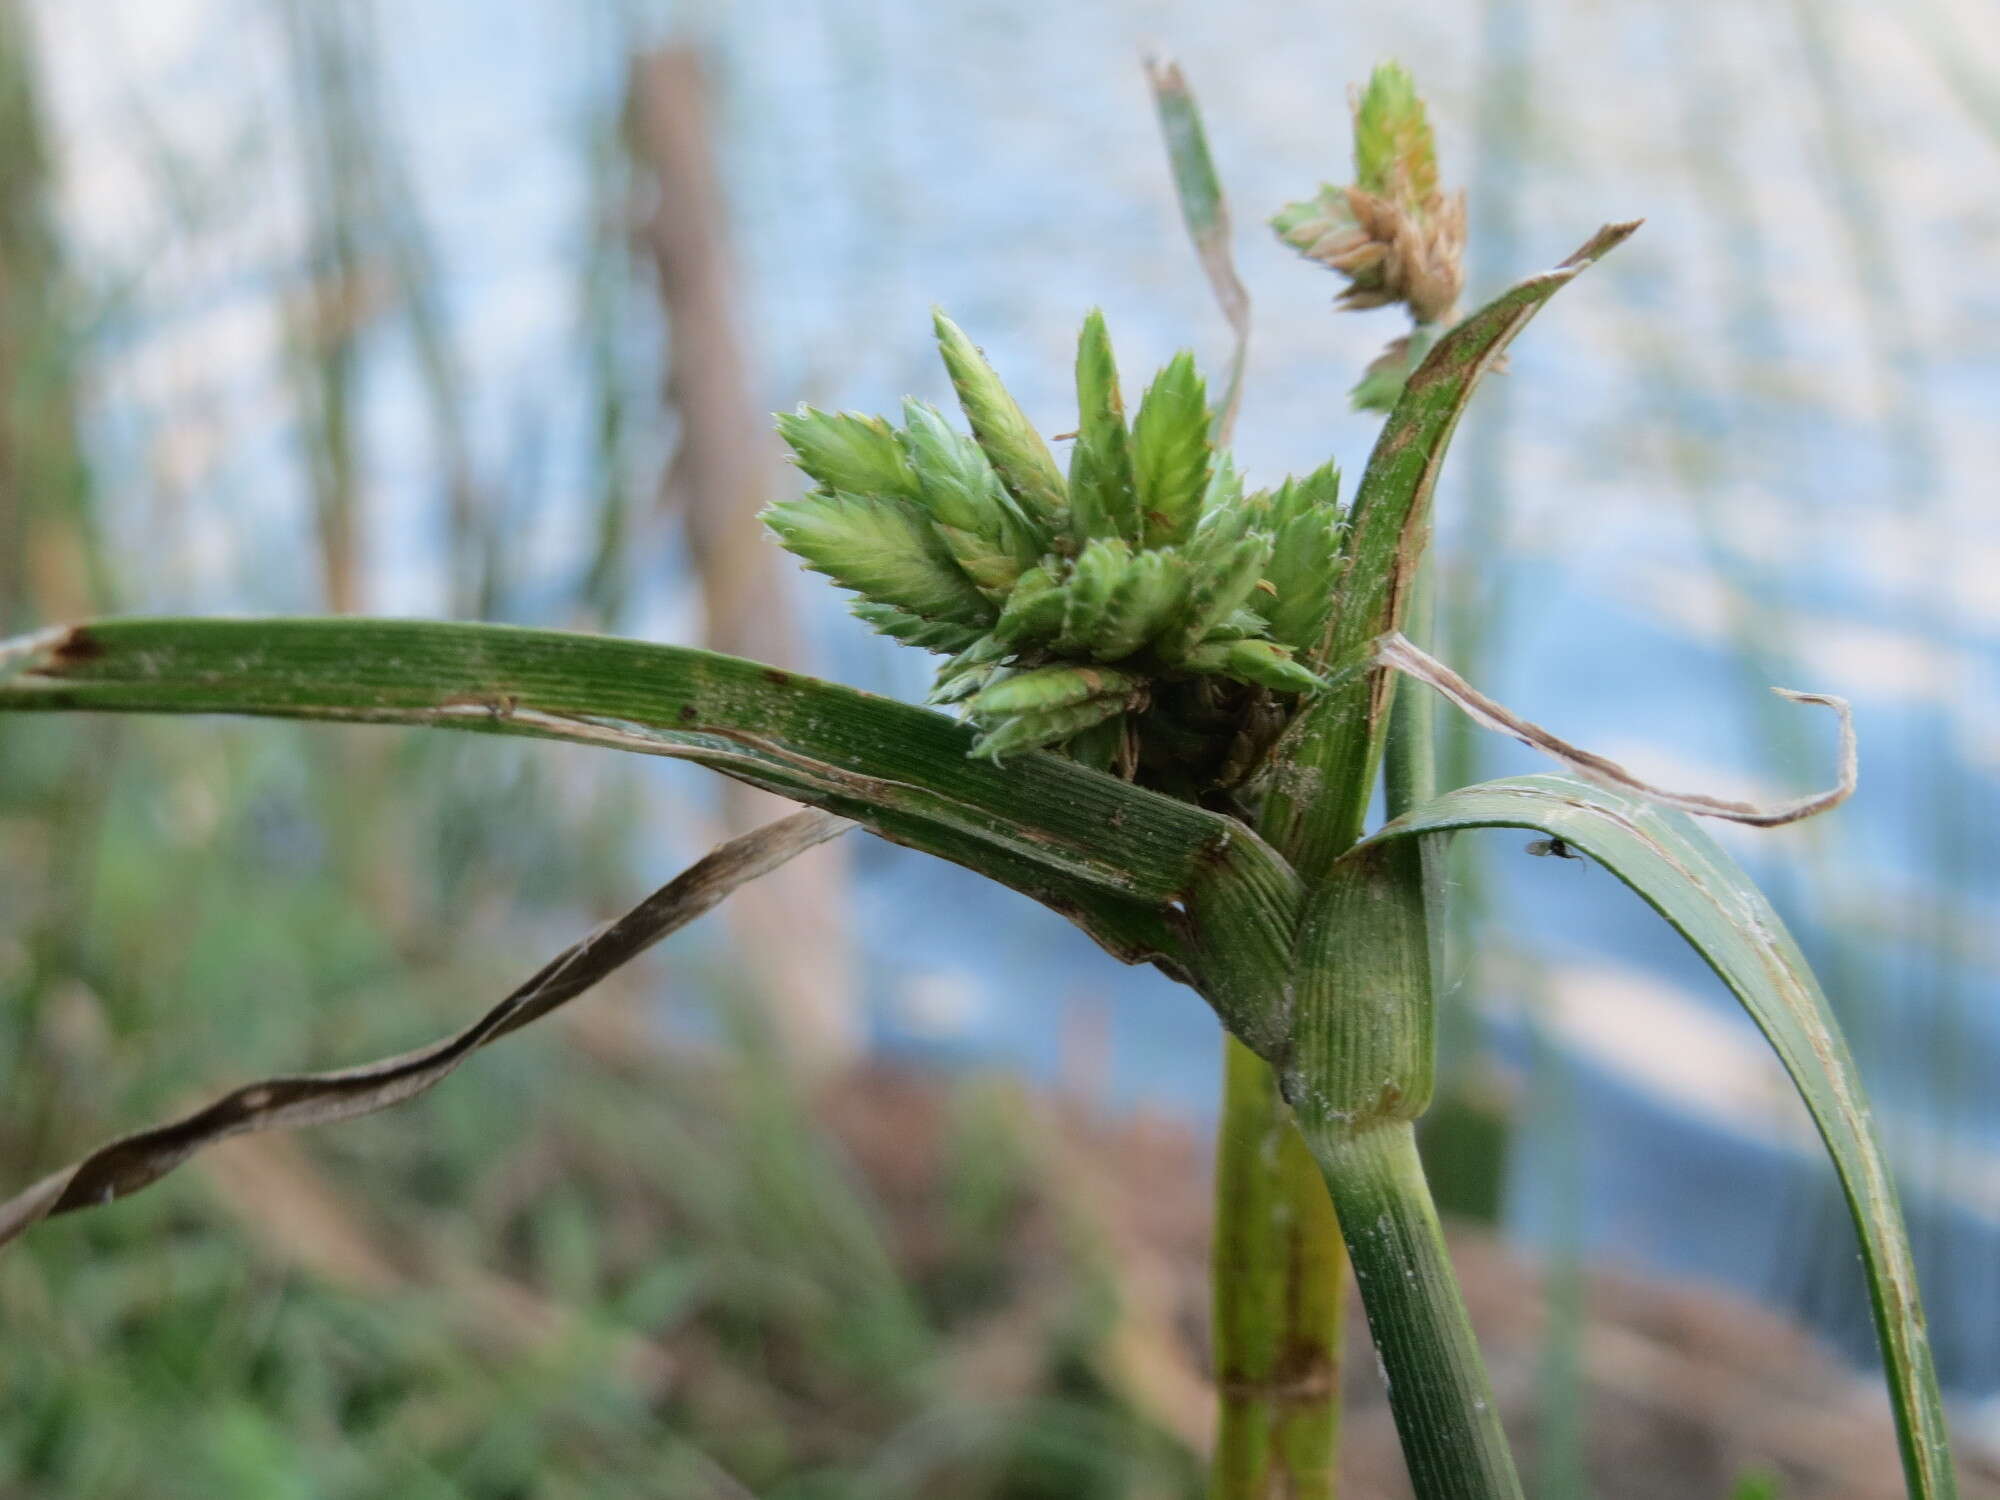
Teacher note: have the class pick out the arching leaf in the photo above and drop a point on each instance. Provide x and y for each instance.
(1687, 878)
(1136, 870)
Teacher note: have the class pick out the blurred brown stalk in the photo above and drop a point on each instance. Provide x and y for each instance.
(791, 927)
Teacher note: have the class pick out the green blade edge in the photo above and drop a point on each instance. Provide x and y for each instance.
(1687, 878)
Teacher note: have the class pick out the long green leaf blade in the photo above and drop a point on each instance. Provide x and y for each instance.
(1111, 856)
(1688, 879)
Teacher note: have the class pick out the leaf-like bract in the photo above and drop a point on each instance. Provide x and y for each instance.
(1681, 872)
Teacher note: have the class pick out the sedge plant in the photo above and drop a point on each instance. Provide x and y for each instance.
(1165, 703)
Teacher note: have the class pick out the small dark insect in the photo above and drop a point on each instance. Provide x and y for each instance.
(1556, 847)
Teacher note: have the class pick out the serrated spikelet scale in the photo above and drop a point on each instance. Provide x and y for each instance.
(1171, 451)
(1018, 454)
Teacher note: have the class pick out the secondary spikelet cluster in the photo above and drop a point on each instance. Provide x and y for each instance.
(1393, 233)
(1141, 612)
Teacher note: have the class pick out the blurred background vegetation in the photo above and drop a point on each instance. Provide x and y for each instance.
(883, 1183)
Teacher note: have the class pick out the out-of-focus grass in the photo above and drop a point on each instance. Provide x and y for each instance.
(588, 1267)
(592, 1266)
(577, 1276)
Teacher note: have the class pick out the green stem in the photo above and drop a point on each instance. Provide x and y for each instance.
(1277, 1267)
(1359, 1076)
(1438, 1388)
(1409, 761)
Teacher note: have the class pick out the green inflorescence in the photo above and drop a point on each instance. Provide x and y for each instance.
(1142, 613)
(1393, 233)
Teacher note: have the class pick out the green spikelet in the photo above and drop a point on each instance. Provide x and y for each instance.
(957, 481)
(1054, 686)
(1170, 451)
(1099, 570)
(980, 524)
(1317, 492)
(962, 685)
(1034, 611)
(1019, 456)
(1102, 747)
(850, 452)
(1265, 663)
(1241, 624)
(1226, 515)
(985, 651)
(1395, 155)
(912, 630)
(882, 549)
(992, 566)
(1033, 731)
(1309, 221)
(1218, 591)
(1146, 598)
(1305, 569)
(970, 670)
(1102, 495)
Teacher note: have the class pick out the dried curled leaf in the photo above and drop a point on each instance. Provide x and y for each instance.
(137, 1161)
(1397, 651)
(1205, 211)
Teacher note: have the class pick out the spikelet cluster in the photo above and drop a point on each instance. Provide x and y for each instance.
(1393, 233)
(1140, 612)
